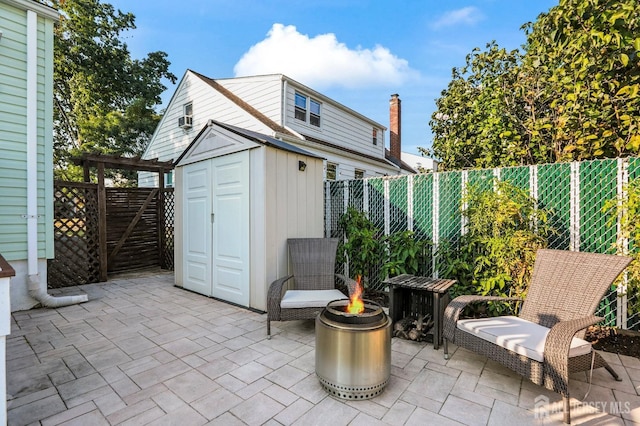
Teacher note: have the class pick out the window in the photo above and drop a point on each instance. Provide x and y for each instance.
(359, 174)
(314, 113)
(168, 179)
(375, 136)
(186, 121)
(301, 107)
(331, 171)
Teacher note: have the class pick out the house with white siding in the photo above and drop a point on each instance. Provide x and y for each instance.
(352, 145)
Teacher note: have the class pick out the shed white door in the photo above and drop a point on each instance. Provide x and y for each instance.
(217, 228)
(231, 228)
(197, 228)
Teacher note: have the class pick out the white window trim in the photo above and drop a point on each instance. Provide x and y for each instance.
(307, 110)
(295, 106)
(326, 171)
(319, 114)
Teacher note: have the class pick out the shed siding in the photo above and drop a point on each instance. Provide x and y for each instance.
(294, 205)
(13, 138)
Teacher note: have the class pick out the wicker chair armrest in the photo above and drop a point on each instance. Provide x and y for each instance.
(556, 350)
(454, 309)
(457, 305)
(274, 296)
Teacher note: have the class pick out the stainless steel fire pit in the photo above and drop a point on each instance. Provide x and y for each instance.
(353, 351)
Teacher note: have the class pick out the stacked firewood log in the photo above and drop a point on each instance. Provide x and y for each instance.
(413, 328)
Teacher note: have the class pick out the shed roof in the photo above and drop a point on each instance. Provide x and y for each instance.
(251, 135)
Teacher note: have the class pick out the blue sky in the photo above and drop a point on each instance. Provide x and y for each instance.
(357, 52)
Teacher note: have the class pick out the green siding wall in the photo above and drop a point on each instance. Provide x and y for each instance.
(13, 142)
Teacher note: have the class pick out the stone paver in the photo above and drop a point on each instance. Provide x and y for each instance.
(464, 411)
(330, 412)
(143, 351)
(257, 410)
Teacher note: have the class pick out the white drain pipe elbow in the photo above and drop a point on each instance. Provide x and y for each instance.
(33, 280)
(49, 301)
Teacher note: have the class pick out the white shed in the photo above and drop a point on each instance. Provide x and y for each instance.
(239, 195)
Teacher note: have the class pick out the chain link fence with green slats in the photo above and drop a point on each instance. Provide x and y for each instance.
(431, 205)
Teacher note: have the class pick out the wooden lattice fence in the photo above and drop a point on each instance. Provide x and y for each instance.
(75, 236)
(167, 237)
(137, 232)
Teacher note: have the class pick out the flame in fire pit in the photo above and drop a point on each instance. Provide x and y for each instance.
(356, 305)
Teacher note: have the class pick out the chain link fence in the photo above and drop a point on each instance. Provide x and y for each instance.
(431, 206)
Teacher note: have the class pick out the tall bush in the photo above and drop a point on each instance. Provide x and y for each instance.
(372, 255)
(362, 249)
(625, 210)
(496, 253)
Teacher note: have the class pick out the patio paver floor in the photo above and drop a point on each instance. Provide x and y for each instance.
(143, 351)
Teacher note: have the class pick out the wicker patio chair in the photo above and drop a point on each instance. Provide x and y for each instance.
(539, 344)
(307, 291)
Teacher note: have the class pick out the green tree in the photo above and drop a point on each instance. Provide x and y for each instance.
(571, 93)
(478, 121)
(584, 55)
(104, 101)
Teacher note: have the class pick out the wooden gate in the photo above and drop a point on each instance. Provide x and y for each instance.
(132, 228)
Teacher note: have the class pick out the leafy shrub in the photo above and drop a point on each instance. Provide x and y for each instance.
(363, 249)
(406, 254)
(372, 255)
(496, 253)
(626, 211)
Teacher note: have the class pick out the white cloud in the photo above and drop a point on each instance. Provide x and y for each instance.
(465, 16)
(322, 61)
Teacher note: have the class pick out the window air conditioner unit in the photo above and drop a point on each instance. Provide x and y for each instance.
(185, 122)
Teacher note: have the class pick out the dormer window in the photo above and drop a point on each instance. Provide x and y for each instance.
(375, 136)
(301, 107)
(303, 104)
(314, 113)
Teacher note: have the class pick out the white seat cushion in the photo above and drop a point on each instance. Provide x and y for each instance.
(309, 298)
(518, 335)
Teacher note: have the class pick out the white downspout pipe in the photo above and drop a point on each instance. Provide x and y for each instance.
(33, 282)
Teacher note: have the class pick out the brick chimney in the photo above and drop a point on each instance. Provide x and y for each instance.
(395, 145)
